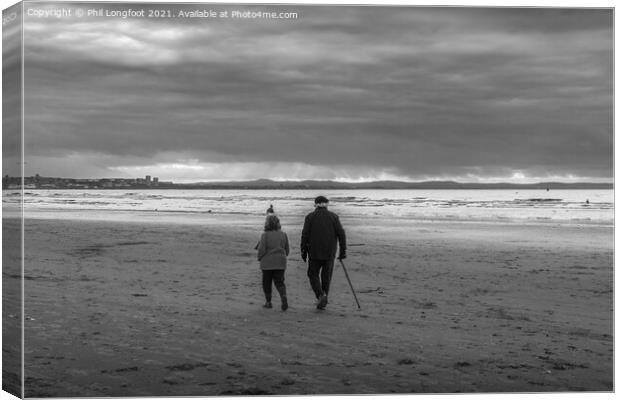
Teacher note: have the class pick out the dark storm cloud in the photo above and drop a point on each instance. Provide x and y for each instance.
(419, 92)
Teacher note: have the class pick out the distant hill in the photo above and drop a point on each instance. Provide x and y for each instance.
(325, 185)
(114, 183)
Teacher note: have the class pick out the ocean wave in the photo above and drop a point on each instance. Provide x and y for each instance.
(457, 205)
(541, 200)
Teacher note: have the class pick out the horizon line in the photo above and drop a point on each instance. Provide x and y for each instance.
(332, 181)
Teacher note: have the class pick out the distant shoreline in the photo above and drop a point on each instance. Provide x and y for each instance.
(404, 186)
(181, 187)
(32, 183)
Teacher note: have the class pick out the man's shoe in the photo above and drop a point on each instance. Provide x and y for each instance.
(322, 302)
(284, 303)
(267, 305)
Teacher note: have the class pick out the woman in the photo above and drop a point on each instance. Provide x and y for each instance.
(272, 251)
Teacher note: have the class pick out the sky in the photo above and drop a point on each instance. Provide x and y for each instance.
(342, 93)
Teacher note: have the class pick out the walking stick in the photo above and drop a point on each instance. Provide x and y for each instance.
(350, 284)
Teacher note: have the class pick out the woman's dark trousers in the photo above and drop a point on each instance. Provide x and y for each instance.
(277, 277)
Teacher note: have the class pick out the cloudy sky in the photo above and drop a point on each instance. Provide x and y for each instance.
(344, 93)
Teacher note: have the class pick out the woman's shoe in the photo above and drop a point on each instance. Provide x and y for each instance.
(267, 305)
(322, 302)
(284, 303)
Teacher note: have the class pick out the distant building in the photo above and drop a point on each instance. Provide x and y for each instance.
(41, 182)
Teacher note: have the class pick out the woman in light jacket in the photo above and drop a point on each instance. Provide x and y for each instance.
(272, 252)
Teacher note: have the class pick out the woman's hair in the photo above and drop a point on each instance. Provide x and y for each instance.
(272, 223)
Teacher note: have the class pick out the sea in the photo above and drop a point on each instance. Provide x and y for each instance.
(486, 205)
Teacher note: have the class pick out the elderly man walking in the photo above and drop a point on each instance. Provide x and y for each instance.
(322, 234)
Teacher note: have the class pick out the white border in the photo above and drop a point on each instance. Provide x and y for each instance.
(479, 3)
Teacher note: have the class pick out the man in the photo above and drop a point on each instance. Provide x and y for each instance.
(319, 238)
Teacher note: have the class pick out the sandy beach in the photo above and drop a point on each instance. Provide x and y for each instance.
(150, 309)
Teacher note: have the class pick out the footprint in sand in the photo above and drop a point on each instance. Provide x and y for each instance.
(186, 366)
(462, 364)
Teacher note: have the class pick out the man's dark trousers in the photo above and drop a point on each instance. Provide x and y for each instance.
(325, 268)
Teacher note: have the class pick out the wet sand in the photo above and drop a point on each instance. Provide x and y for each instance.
(149, 309)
